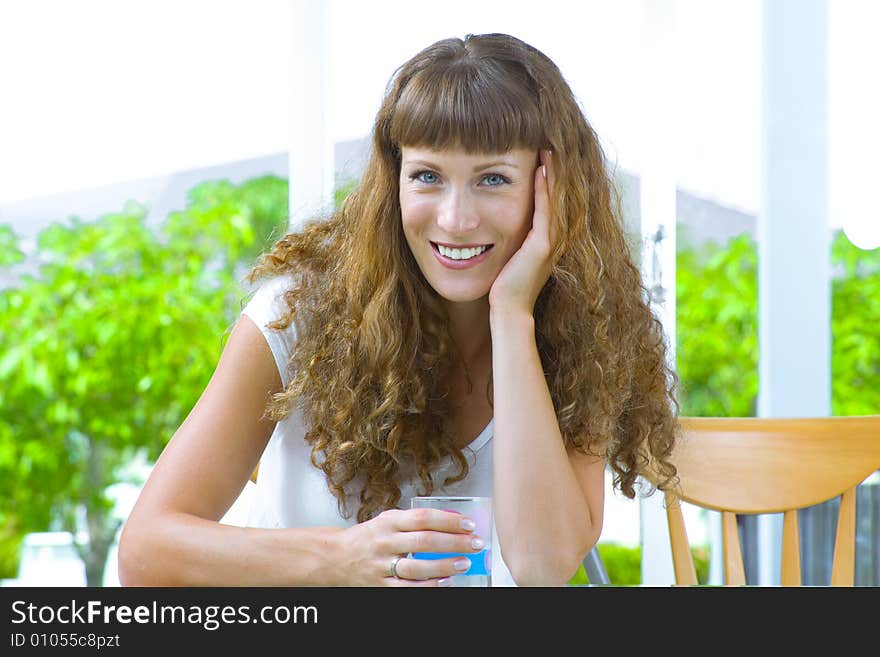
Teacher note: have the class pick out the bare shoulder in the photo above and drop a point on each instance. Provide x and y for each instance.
(245, 377)
(247, 352)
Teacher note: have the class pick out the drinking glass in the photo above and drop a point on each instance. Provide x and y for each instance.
(478, 509)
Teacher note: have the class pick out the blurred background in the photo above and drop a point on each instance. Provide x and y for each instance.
(149, 151)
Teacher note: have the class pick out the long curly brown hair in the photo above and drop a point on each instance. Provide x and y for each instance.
(374, 358)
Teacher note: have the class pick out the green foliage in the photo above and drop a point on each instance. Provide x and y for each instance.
(624, 565)
(108, 347)
(10, 254)
(717, 327)
(10, 547)
(700, 554)
(622, 562)
(343, 188)
(855, 328)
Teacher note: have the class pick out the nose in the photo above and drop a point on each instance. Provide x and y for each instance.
(457, 214)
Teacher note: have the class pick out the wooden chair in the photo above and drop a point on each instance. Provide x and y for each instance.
(771, 465)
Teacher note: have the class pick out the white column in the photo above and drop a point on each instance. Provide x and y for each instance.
(793, 290)
(657, 181)
(311, 148)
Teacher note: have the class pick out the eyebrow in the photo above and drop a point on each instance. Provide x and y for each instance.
(479, 167)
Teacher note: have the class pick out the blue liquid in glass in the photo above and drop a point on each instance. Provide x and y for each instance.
(479, 574)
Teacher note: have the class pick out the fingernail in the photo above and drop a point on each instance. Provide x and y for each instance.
(446, 581)
(477, 542)
(544, 170)
(461, 564)
(468, 524)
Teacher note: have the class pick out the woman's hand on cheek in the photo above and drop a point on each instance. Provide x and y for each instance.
(523, 277)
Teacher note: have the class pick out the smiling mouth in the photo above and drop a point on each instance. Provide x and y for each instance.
(463, 253)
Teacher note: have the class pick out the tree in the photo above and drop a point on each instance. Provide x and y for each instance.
(108, 347)
(855, 328)
(717, 326)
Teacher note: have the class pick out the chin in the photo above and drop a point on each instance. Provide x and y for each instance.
(462, 296)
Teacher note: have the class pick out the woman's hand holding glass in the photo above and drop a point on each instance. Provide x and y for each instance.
(374, 553)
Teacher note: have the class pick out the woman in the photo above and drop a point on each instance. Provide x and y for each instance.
(470, 322)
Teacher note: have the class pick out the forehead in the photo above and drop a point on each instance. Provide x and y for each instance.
(516, 157)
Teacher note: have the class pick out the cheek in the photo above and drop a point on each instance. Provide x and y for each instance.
(406, 212)
(516, 217)
(415, 213)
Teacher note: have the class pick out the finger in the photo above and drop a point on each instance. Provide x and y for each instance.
(434, 542)
(547, 163)
(436, 569)
(541, 220)
(549, 175)
(437, 520)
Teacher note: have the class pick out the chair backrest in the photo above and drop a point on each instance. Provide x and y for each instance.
(771, 465)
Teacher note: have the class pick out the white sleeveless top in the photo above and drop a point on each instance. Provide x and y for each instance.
(291, 492)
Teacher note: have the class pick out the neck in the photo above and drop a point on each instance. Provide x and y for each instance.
(469, 326)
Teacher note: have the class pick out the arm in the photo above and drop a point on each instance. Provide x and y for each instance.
(173, 536)
(548, 500)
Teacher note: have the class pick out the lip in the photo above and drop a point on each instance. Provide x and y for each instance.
(461, 246)
(449, 263)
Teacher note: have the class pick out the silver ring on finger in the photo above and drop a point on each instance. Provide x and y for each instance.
(393, 568)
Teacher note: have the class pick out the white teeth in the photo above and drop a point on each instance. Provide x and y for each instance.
(461, 254)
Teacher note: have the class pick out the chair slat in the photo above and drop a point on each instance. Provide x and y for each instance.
(771, 465)
(734, 571)
(682, 559)
(843, 569)
(791, 550)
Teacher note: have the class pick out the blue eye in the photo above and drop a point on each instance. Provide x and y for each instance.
(498, 178)
(429, 178)
(420, 177)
